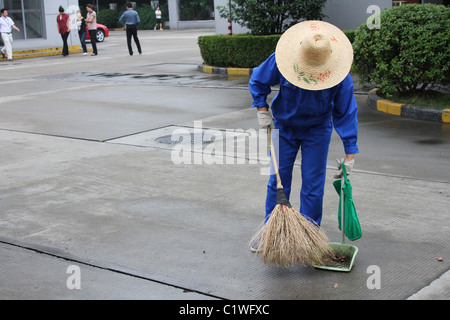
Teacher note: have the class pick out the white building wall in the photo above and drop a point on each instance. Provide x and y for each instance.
(350, 14)
(51, 37)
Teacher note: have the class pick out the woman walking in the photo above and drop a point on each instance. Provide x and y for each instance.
(82, 33)
(91, 20)
(63, 24)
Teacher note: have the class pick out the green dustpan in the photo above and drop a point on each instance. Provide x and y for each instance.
(345, 252)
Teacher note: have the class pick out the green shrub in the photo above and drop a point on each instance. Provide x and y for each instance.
(241, 51)
(409, 53)
(350, 34)
(147, 16)
(109, 18)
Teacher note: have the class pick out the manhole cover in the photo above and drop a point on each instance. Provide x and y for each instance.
(170, 136)
(194, 138)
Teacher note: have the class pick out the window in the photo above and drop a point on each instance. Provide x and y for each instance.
(28, 13)
(196, 10)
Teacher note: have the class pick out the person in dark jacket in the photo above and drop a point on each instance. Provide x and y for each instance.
(82, 33)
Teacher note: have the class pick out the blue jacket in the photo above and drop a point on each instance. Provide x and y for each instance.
(300, 108)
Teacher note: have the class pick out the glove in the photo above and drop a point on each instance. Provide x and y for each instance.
(265, 119)
(348, 167)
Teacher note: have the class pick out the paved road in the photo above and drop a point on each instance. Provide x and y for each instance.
(90, 179)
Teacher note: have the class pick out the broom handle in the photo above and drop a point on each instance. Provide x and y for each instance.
(274, 158)
(342, 207)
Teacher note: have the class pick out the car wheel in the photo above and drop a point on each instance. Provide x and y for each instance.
(100, 35)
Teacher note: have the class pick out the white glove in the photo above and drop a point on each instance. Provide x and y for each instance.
(265, 119)
(348, 167)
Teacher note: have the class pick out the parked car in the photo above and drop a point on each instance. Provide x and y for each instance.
(102, 32)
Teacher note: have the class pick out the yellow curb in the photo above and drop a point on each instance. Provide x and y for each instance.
(390, 107)
(207, 69)
(373, 91)
(43, 50)
(446, 115)
(381, 106)
(233, 72)
(23, 54)
(239, 71)
(406, 110)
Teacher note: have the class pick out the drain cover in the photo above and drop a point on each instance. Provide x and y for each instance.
(170, 136)
(169, 139)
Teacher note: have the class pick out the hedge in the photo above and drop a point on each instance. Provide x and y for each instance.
(350, 34)
(409, 53)
(240, 50)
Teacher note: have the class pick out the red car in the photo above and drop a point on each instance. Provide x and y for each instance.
(102, 32)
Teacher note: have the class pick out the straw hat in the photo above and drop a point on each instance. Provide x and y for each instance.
(314, 55)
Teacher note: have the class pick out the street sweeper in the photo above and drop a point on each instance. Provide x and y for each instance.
(311, 65)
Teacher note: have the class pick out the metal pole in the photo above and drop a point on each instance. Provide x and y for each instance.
(230, 26)
(342, 208)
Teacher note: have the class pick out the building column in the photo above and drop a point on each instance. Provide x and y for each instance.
(174, 13)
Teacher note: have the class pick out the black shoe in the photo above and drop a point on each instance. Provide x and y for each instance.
(4, 57)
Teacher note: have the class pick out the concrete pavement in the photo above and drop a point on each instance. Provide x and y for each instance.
(91, 186)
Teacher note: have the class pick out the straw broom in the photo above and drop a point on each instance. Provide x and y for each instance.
(288, 237)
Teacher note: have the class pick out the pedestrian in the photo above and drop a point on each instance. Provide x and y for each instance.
(130, 20)
(158, 19)
(82, 33)
(63, 25)
(311, 64)
(91, 20)
(6, 26)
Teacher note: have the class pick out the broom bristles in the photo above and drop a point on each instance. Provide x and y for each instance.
(288, 238)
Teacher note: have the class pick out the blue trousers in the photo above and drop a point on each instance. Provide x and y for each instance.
(83, 35)
(313, 143)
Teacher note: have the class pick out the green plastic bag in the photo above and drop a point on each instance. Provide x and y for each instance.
(352, 225)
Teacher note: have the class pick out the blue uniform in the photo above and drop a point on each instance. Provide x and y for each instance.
(305, 120)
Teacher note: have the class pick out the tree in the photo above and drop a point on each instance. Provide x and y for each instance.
(266, 17)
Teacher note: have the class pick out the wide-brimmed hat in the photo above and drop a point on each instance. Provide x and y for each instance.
(314, 55)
